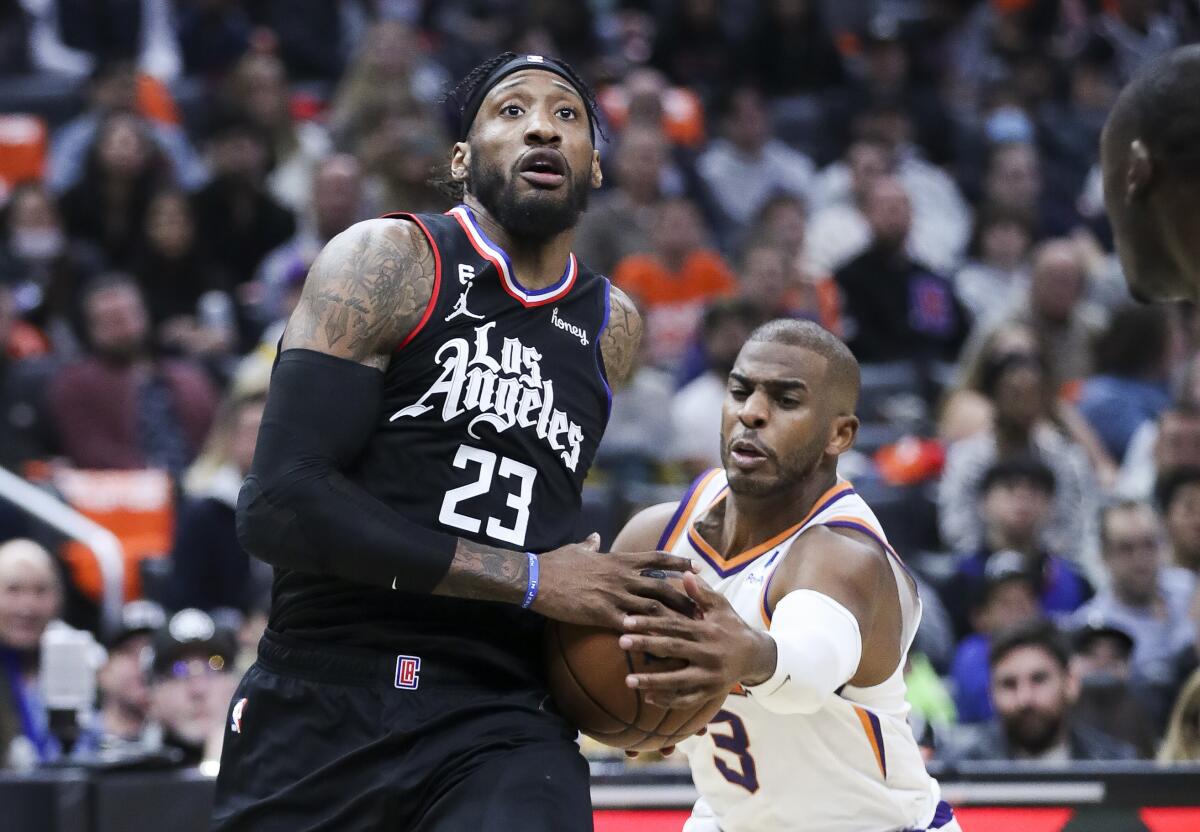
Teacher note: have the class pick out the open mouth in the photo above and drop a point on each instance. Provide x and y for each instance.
(543, 168)
(747, 454)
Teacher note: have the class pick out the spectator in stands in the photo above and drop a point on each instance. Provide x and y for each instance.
(1006, 596)
(213, 35)
(1182, 741)
(998, 266)
(1142, 595)
(1137, 31)
(646, 98)
(672, 283)
(1109, 698)
(30, 598)
(1129, 386)
(1034, 693)
(122, 407)
(1016, 500)
(121, 682)
(259, 86)
(108, 206)
(1156, 448)
(895, 308)
(114, 88)
(790, 51)
(23, 429)
(209, 568)
(1054, 309)
(1023, 425)
(1013, 182)
(1178, 494)
(191, 682)
(747, 166)
(240, 221)
(695, 45)
(312, 37)
(619, 221)
(184, 289)
(696, 408)
(397, 158)
(70, 37)
(337, 203)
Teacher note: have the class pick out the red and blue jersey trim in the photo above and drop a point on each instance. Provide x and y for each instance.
(495, 255)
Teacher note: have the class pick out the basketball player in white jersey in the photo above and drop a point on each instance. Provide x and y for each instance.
(806, 617)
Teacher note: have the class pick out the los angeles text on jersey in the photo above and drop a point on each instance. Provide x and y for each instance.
(504, 391)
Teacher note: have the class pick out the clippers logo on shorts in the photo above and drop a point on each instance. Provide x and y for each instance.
(408, 669)
(235, 720)
(506, 390)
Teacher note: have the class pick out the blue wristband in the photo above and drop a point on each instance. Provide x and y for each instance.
(531, 590)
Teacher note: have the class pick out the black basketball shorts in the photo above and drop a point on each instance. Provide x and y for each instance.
(321, 738)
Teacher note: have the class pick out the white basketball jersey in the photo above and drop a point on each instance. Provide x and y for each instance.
(853, 766)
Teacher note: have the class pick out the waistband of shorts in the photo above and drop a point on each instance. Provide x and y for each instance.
(362, 667)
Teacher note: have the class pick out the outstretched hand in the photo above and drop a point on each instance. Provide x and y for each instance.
(721, 650)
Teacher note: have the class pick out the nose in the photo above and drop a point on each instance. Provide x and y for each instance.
(541, 128)
(754, 410)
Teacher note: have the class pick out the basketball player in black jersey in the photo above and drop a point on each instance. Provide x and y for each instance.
(438, 399)
(1150, 157)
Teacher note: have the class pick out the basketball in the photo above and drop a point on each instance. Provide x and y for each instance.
(586, 670)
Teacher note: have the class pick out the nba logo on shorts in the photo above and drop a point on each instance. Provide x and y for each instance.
(407, 669)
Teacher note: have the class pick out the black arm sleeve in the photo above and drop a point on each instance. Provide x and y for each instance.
(297, 510)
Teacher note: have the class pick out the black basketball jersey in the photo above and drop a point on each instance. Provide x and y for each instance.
(492, 411)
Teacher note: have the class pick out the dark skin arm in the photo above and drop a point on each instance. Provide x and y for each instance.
(723, 650)
(621, 338)
(366, 291)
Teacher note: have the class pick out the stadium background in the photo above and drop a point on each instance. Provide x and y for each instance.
(920, 177)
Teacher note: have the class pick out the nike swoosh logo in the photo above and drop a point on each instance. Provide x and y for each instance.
(394, 581)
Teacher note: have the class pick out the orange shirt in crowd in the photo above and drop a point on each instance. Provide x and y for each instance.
(672, 303)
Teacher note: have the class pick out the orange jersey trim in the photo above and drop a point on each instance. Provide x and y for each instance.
(874, 732)
(682, 517)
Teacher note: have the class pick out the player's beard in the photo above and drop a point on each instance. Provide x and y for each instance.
(534, 215)
(791, 470)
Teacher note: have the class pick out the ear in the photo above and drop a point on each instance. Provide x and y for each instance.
(1138, 172)
(460, 161)
(841, 435)
(597, 174)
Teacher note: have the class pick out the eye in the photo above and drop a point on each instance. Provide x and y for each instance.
(512, 110)
(568, 113)
(789, 402)
(738, 393)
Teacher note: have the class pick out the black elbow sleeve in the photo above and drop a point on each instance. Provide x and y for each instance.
(297, 510)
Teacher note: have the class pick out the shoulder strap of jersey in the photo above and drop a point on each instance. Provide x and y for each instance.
(437, 271)
(692, 499)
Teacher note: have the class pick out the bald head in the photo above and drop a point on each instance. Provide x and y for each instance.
(842, 367)
(29, 593)
(1150, 156)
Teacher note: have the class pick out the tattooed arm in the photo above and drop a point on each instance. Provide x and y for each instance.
(299, 511)
(621, 339)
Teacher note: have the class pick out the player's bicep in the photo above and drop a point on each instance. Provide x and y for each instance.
(365, 292)
(847, 569)
(643, 531)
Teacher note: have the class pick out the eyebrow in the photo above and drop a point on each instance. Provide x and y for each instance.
(516, 82)
(776, 383)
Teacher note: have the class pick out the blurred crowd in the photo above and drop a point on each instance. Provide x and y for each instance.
(920, 178)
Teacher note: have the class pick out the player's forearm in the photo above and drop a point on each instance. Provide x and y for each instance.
(761, 657)
(486, 573)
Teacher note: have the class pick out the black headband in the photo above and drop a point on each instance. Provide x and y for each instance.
(520, 62)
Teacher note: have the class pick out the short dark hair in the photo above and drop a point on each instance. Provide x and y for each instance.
(1023, 468)
(729, 309)
(1171, 481)
(1161, 105)
(843, 366)
(1037, 633)
(1113, 507)
(1134, 343)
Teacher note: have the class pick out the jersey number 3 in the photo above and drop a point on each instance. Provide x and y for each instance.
(519, 500)
(736, 742)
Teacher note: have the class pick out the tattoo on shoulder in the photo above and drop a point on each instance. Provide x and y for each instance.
(366, 291)
(621, 339)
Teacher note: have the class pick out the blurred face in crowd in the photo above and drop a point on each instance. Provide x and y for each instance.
(190, 699)
(239, 154)
(337, 194)
(121, 680)
(868, 161)
(1132, 552)
(117, 322)
(264, 89)
(245, 434)
(392, 47)
(640, 159)
(1104, 656)
(748, 126)
(725, 340)
(122, 146)
(1057, 282)
(888, 212)
(1183, 525)
(1014, 178)
(34, 227)
(169, 225)
(1032, 694)
(117, 90)
(529, 158)
(1015, 512)
(1019, 397)
(1009, 603)
(29, 594)
(764, 277)
(785, 222)
(679, 230)
(887, 63)
(1004, 244)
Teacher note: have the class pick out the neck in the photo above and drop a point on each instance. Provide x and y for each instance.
(121, 720)
(1011, 438)
(538, 263)
(751, 519)
(997, 541)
